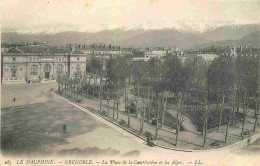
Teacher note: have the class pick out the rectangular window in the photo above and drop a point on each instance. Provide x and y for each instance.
(14, 59)
(77, 58)
(34, 70)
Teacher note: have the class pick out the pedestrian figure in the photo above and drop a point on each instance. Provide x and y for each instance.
(64, 128)
(14, 99)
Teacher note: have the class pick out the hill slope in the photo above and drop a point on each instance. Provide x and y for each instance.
(231, 32)
(223, 36)
(252, 39)
(135, 38)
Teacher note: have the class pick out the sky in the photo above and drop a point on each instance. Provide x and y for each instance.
(53, 16)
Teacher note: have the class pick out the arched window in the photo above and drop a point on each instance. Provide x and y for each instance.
(34, 70)
(60, 69)
(47, 68)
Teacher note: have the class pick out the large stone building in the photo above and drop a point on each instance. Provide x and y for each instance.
(104, 51)
(41, 62)
(156, 52)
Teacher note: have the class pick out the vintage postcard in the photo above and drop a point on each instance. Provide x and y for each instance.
(130, 82)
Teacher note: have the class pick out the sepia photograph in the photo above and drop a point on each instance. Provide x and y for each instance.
(130, 82)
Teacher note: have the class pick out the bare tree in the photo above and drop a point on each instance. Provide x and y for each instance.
(178, 119)
(165, 106)
(205, 124)
(221, 111)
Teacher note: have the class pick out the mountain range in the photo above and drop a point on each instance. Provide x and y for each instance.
(222, 36)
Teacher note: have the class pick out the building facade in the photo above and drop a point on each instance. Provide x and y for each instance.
(157, 52)
(36, 63)
(241, 51)
(103, 51)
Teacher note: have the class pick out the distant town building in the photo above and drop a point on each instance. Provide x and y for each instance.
(208, 57)
(103, 50)
(157, 52)
(241, 51)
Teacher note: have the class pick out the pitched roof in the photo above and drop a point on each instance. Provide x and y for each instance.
(39, 50)
(54, 50)
(76, 51)
(14, 51)
(33, 49)
(102, 48)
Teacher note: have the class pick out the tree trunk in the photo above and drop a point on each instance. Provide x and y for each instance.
(177, 129)
(125, 96)
(100, 93)
(114, 105)
(178, 120)
(150, 104)
(82, 88)
(246, 104)
(93, 89)
(205, 130)
(117, 102)
(88, 86)
(244, 117)
(221, 111)
(164, 109)
(226, 136)
(234, 108)
(108, 107)
(148, 99)
(71, 88)
(142, 124)
(256, 106)
(256, 118)
(137, 99)
(157, 117)
(58, 85)
(243, 126)
(238, 105)
(205, 120)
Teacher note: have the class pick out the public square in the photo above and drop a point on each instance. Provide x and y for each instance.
(33, 124)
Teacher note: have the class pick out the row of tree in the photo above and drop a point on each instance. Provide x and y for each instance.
(224, 80)
(191, 84)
